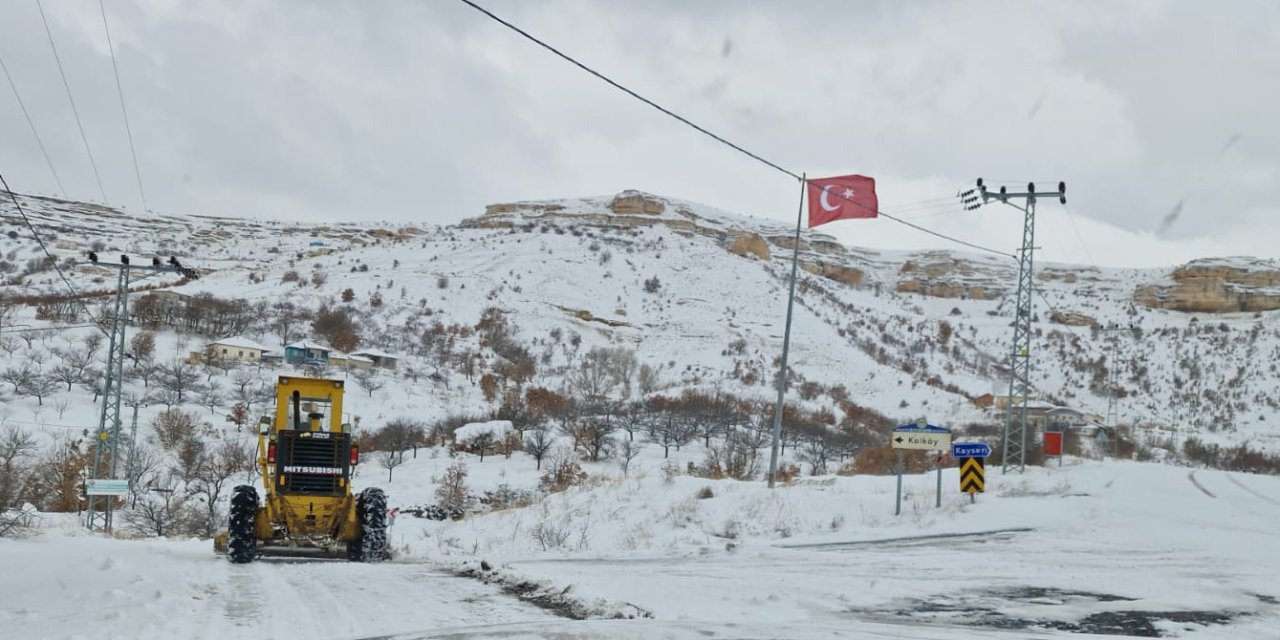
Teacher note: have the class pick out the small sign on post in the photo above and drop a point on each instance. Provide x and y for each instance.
(972, 476)
(920, 435)
(972, 457)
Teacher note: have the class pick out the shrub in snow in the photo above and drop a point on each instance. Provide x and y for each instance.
(507, 497)
(562, 471)
(452, 494)
(17, 522)
(787, 472)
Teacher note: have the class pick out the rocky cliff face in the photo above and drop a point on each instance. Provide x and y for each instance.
(939, 274)
(750, 244)
(819, 254)
(1216, 286)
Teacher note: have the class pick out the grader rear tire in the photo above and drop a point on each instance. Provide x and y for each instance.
(371, 510)
(242, 544)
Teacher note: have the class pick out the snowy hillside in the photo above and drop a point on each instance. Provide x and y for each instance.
(568, 405)
(699, 296)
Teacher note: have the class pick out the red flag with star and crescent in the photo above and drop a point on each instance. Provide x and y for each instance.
(840, 198)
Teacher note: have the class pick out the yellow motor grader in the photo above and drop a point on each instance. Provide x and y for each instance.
(306, 455)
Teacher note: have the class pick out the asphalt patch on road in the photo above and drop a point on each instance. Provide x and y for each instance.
(983, 609)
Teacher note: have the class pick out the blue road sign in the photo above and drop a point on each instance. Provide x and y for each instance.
(970, 450)
(915, 428)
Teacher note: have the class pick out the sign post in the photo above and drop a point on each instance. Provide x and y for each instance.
(897, 505)
(971, 456)
(938, 501)
(920, 435)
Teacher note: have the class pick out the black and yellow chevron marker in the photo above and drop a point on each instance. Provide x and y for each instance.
(972, 478)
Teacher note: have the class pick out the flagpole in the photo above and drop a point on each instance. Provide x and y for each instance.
(786, 340)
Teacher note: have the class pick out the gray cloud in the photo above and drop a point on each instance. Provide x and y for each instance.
(427, 111)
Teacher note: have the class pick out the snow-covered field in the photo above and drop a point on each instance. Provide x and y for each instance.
(1088, 547)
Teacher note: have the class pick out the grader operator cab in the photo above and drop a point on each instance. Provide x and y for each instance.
(306, 456)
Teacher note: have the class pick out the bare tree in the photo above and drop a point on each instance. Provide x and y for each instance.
(622, 365)
(61, 405)
(66, 374)
(9, 345)
(396, 436)
(590, 379)
(668, 429)
(143, 345)
(287, 321)
(173, 426)
(77, 360)
(40, 386)
(212, 473)
(144, 370)
(597, 440)
(159, 511)
(93, 341)
(16, 446)
(144, 462)
(212, 397)
(649, 379)
(179, 377)
(633, 417)
(368, 380)
(627, 451)
(538, 444)
(166, 397)
(242, 380)
(816, 448)
(390, 460)
(18, 376)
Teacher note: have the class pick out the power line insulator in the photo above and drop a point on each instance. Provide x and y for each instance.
(124, 260)
(93, 257)
(979, 183)
(155, 261)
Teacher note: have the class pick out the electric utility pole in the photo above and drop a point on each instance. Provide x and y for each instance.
(106, 453)
(1015, 425)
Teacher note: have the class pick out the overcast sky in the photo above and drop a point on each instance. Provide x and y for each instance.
(1160, 116)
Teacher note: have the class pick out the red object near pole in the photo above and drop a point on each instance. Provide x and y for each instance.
(1053, 443)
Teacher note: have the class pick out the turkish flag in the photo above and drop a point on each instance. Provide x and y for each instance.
(841, 197)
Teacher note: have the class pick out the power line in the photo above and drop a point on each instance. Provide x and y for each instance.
(1079, 237)
(75, 295)
(120, 91)
(34, 132)
(708, 133)
(72, 100)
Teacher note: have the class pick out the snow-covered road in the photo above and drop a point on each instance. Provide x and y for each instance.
(1054, 553)
(79, 586)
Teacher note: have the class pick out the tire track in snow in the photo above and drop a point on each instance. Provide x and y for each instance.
(1251, 491)
(244, 599)
(1191, 475)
